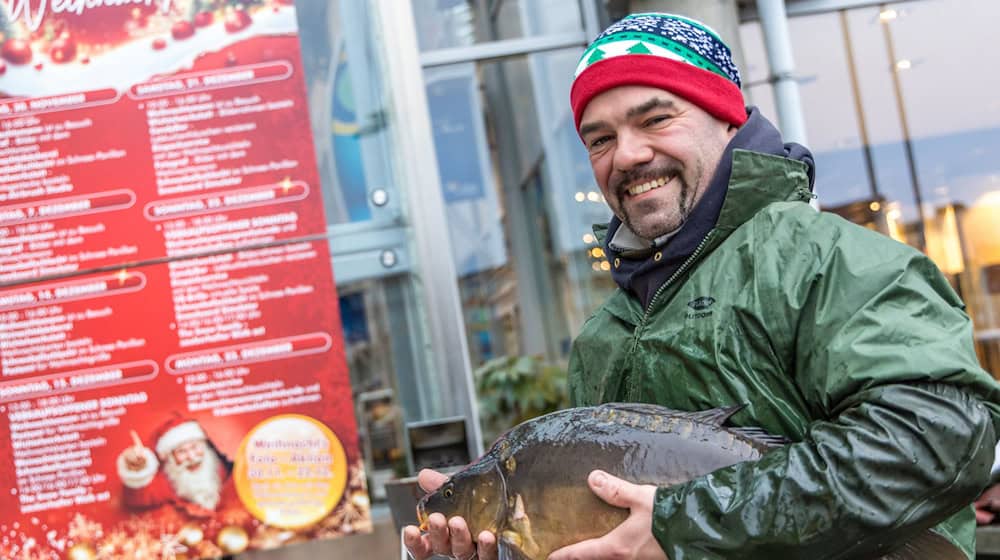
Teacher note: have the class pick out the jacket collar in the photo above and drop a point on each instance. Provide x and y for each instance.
(756, 181)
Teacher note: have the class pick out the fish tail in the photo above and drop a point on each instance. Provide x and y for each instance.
(927, 546)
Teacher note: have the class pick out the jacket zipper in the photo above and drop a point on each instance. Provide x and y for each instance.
(632, 392)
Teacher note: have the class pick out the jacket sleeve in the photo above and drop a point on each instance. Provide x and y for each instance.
(904, 423)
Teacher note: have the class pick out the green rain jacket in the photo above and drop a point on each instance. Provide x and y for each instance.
(850, 344)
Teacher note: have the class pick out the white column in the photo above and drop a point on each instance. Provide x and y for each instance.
(450, 389)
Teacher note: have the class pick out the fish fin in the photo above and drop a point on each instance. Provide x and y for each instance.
(715, 416)
(642, 408)
(762, 437)
(926, 546)
(520, 533)
(508, 551)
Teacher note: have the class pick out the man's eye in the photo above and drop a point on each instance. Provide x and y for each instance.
(598, 142)
(656, 120)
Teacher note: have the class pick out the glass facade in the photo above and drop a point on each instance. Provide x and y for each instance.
(520, 196)
(443, 24)
(896, 122)
(368, 229)
(900, 110)
(904, 121)
(889, 156)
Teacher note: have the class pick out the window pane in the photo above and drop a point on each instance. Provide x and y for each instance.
(926, 113)
(948, 84)
(347, 109)
(378, 317)
(443, 24)
(521, 201)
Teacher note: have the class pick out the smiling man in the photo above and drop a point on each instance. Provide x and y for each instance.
(642, 139)
(734, 291)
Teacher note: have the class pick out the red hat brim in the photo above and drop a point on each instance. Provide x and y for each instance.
(717, 95)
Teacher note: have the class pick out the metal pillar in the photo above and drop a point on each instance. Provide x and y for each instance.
(774, 24)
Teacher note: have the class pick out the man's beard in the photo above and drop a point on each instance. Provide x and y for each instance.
(203, 486)
(669, 171)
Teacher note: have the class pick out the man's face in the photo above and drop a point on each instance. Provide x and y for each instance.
(653, 155)
(189, 454)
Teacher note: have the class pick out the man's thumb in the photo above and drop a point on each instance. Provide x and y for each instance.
(430, 480)
(611, 489)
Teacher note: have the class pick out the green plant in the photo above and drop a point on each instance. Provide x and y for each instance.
(512, 389)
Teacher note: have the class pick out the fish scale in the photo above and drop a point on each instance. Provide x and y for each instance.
(531, 489)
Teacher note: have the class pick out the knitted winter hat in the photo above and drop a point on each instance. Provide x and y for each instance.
(666, 51)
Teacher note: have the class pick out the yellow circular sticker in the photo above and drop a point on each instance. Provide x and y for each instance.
(290, 471)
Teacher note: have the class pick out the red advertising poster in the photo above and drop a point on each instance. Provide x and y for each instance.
(128, 133)
(172, 375)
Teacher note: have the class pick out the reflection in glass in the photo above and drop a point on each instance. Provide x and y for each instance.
(443, 24)
(521, 202)
(932, 123)
(381, 318)
(377, 319)
(470, 196)
(346, 104)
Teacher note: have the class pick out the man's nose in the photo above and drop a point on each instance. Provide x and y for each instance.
(632, 150)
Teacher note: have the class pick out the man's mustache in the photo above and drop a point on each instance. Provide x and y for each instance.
(642, 175)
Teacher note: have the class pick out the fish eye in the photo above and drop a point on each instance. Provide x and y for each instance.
(448, 492)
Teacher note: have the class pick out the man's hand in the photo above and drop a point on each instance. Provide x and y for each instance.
(633, 538)
(988, 505)
(448, 537)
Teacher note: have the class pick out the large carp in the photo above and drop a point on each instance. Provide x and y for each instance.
(530, 489)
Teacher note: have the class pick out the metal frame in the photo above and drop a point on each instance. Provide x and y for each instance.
(502, 49)
(806, 7)
(357, 250)
(524, 45)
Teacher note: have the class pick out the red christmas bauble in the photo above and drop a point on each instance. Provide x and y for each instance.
(16, 51)
(182, 30)
(237, 20)
(159, 44)
(203, 19)
(63, 49)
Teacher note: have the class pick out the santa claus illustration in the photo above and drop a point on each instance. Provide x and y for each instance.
(184, 469)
